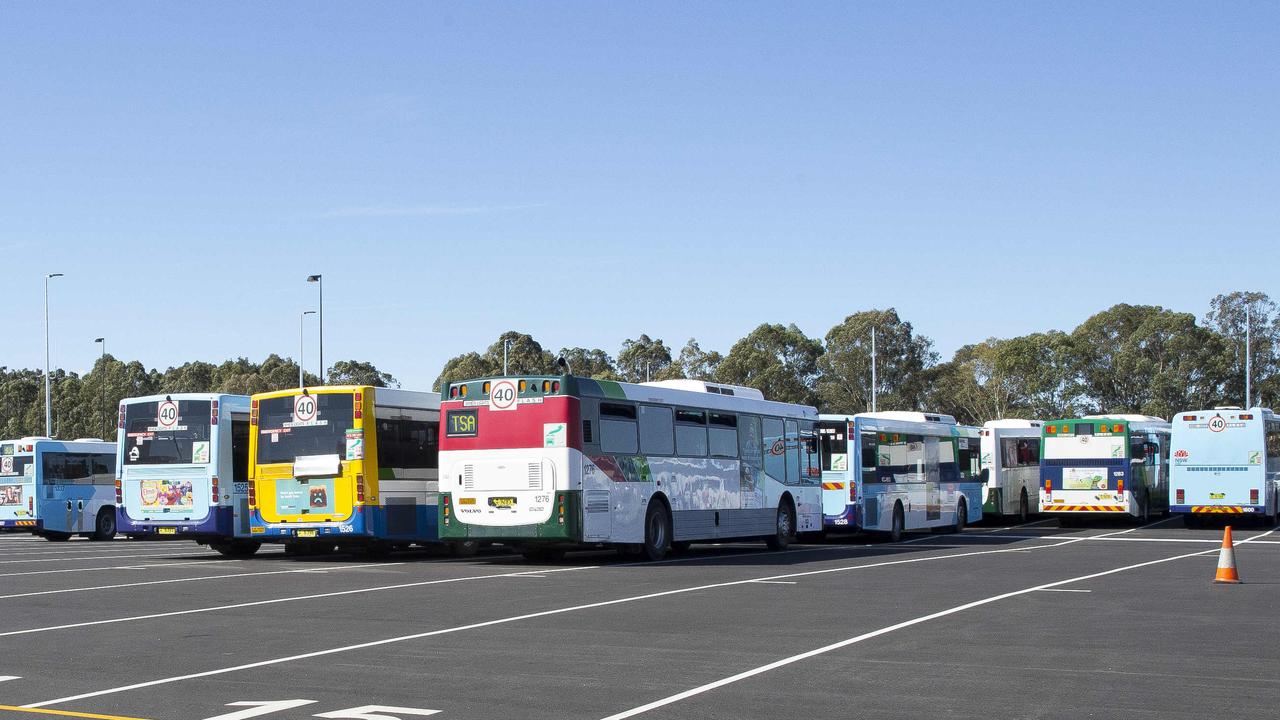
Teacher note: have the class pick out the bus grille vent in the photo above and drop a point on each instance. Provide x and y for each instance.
(586, 431)
(468, 477)
(535, 476)
(597, 501)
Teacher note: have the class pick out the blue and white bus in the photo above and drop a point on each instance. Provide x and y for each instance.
(892, 472)
(1226, 461)
(58, 488)
(1104, 465)
(183, 469)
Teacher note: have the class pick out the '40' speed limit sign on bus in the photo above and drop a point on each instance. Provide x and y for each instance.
(167, 414)
(503, 395)
(304, 408)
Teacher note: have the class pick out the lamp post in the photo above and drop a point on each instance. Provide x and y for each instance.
(319, 281)
(48, 391)
(301, 347)
(102, 388)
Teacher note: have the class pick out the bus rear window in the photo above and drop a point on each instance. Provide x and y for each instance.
(167, 432)
(834, 446)
(321, 429)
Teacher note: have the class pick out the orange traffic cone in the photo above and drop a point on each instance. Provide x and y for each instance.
(1227, 561)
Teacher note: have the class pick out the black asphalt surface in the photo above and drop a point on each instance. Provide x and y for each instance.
(956, 626)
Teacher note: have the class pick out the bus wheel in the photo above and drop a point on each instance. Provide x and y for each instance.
(962, 516)
(899, 524)
(55, 536)
(657, 532)
(1024, 508)
(785, 524)
(105, 527)
(236, 548)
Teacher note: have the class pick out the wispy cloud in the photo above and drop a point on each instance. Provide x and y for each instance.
(425, 210)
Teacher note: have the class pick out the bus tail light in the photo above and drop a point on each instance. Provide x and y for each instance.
(360, 488)
(1188, 418)
(253, 413)
(119, 492)
(120, 420)
(359, 406)
(853, 492)
(1048, 486)
(555, 386)
(1120, 486)
(253, 493)
(1246, 416)
(1181, 497)
(213, 413)
(214, 491)
(1052, 429)
(31, 503)
(1253, 496)
(560, 504)
(445, 500)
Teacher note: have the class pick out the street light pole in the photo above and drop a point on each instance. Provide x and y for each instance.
(48, 389)
(319, 281)
(102, 388)
(301, 347)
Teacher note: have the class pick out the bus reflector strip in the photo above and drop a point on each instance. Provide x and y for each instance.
(1218, 509)
(1087, 508)
(463, 501)
(832, 486)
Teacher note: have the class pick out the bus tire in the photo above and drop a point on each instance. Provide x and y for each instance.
(898, 526)
(55, 536)
(104, 528)
(962, 516)
(1024, 508)
(784, 527)
(657, 532)
(236, 548)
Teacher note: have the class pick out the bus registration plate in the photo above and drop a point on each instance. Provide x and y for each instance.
(304, 533)
(504, 503)
(167, 531)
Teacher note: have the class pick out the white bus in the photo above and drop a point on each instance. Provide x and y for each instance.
(551, 463)
(892, 472)
(1011, 462)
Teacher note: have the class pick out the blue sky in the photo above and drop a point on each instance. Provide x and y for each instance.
(587, 172)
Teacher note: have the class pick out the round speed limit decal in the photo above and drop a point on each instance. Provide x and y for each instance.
(1217, 423)
(503, 395)
(167, 414)
(304, 408)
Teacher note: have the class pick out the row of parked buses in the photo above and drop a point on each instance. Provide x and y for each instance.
(550, 463)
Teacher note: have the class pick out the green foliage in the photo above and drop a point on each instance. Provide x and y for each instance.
(697, 364)
(781, 362)
(354, 372)
(85, 406)
(902, 357)
(646, 359)
(594, 363)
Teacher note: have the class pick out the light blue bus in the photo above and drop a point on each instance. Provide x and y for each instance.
(58, 488)
(1226, 461)
(183, 468)
(892, 472)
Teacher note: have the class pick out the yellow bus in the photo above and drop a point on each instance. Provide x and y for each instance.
(352, 467)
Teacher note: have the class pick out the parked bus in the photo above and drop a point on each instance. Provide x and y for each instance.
(892, 472)
(183, 465)
(58, 488)
(551, 463)
(1105, 465)
(1226, 461)
(343, 466)
(1011, 463)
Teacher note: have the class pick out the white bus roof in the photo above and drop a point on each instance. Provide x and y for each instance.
(908, 416)
(708, 387)
(1127, 417)
(1012, 423)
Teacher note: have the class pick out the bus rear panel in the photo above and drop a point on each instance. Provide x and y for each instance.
(1225, 461)
(18, 507)
(1104, 465)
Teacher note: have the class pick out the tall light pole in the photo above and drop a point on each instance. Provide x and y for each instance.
(319, 281)
(873, 368)
(301, 347)
(48, 391)
(1248, 358)
(102, 388)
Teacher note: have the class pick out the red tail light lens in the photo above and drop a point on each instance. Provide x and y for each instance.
(359, 406)
(119, 494)
(1182, 498)
(1120, 486)
(120, 420)
(253, 493)
(555, 386)
(359, 488)
(214, 492)
(1253, 496)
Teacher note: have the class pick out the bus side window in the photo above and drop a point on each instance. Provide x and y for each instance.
(775, 456)
(656, 431)
(793, 452)
(618, 432)
(810, 467)
(870, 454)
(691, 433)
(722, 435)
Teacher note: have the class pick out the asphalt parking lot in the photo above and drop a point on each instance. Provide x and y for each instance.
(1029, 621)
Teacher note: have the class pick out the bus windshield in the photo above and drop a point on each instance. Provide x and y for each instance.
(156, 435)
(284, 435)
(835, 446)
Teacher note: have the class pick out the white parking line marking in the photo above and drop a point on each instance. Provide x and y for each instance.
(877, 633)
(6, 678)
(1063, 590)
(518, 618)
(118, 567)
(182, 580)
(777, 582)
(97, 557)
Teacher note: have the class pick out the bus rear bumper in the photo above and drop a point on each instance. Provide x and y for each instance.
(21, 524)
(1219, 509)
(404, 523)
(846, 521)
(566, 528)
(217, 525)
(354, 527)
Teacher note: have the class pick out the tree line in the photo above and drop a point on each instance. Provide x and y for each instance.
(1128, 358)
(1125, 359)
